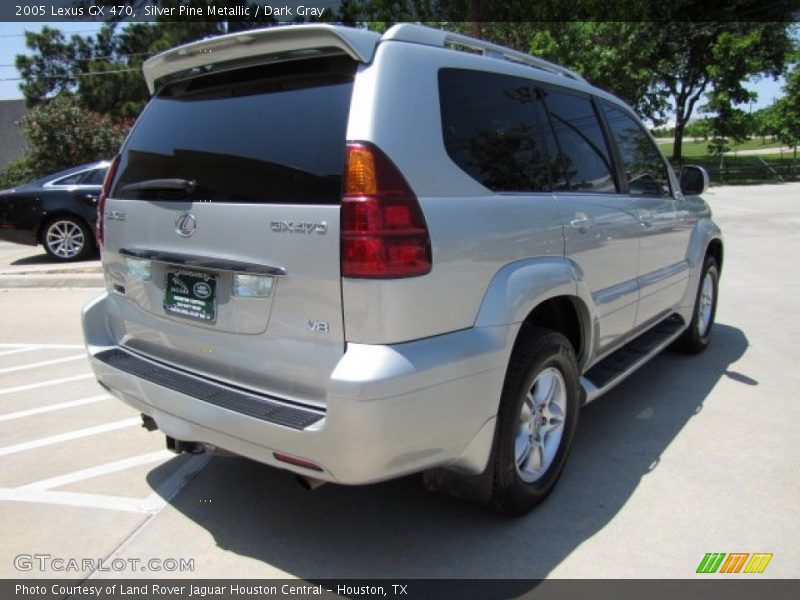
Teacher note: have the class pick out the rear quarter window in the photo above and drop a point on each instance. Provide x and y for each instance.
(95, 177)
(491, 125)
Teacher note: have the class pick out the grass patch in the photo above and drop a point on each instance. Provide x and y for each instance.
(745, 169)
(700, 148)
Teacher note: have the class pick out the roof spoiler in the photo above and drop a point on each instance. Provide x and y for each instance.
(287, 42)
(238, 47)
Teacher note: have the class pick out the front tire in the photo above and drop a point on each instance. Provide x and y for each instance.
(67, 238)
(698, 335)
(536, 421)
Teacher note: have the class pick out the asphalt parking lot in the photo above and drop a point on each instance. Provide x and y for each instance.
(691, 455)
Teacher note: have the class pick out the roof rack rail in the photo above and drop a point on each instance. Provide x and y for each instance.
(419, 34)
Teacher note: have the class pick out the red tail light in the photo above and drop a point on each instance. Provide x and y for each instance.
(384, 234)
(293, 460)
(99, 226)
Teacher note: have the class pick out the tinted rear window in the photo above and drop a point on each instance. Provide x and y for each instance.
(267, 134)
(95, 177)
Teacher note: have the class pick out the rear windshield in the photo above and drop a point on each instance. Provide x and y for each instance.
(266, 134)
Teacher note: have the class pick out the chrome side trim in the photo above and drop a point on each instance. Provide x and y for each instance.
(615, 292)
(663, 273)
(204, 262)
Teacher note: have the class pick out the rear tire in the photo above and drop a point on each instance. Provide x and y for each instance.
(536, 421)
(67, 238)
(698, 335)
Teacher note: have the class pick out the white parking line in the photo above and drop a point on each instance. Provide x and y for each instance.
(71, 435)
(60, 406)
(150, 505)
(17, 351)
(32, 386)
(76, 499)
(43, 363)
(112, 467)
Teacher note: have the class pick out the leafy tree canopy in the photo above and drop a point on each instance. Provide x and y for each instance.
(104, 71)
(788, 111)
(661, 58)
(62, 134)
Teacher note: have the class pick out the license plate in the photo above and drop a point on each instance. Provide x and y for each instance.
(191, 294)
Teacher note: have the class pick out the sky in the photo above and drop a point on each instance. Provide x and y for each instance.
(12, 42)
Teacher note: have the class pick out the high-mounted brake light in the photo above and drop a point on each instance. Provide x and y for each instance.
(384, 234)
(99, 225)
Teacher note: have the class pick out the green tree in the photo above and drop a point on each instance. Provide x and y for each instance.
(788, 111)
(737, 54)
(615, 56)
(697, 128)
(715, 58)
(765, 122)
(646, 53)
(103, 71)
(62, 134)
(16, 172)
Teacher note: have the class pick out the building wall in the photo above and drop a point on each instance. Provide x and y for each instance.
(12, 144)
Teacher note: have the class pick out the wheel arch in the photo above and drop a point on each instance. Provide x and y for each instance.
(566, 315)
(706, 240)
(716, 250)
(545, 292)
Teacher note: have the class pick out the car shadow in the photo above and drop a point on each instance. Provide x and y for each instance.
(398, 530)
(46, 259)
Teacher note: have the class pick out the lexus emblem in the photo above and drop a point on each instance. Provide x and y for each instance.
(185, 224)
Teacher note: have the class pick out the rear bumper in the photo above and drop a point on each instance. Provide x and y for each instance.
(391, 410)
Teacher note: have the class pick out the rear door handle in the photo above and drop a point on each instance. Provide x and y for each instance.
(646, 219)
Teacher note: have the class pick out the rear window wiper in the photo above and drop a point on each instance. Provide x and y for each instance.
(184, 185)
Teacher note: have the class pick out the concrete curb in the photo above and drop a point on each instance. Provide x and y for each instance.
(53, 280)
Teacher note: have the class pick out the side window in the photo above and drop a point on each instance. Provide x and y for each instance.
(642, 162)
(70, 179)
(95, 177)
(580, 151)
(492, 130)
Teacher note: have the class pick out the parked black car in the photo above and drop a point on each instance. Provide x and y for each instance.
(57, 211)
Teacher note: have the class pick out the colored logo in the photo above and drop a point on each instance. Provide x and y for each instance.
(734, 562)
(202, 290)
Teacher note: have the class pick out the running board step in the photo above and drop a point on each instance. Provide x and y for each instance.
(216, 393)
(617, 366)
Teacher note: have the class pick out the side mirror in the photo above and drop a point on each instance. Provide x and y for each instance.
(694, 180)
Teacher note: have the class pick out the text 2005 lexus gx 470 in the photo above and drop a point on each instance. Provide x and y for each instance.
(357, 256)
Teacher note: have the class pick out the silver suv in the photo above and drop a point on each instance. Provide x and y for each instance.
(357, 256)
